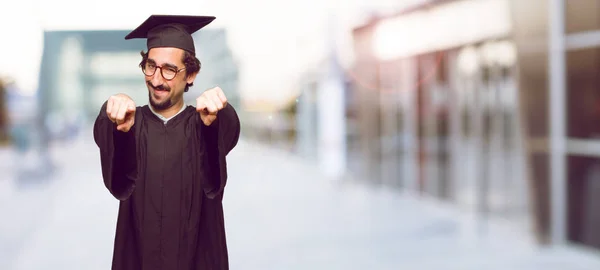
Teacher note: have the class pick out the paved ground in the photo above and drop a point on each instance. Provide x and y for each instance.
(281, 213)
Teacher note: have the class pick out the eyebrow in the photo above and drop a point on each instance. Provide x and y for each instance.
(164, 65)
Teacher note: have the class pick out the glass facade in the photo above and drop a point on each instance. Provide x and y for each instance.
(581, 16)
(582, 23)
(446, 124)
(470, 124)
(583, 100)
(584, 200)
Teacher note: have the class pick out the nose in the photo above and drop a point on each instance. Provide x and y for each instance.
(157, 78)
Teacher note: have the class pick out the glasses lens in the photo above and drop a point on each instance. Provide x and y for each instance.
(168, 73)
(149, 69)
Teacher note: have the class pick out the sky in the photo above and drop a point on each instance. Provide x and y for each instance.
(273, 40)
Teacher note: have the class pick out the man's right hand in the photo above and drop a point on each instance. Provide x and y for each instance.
(120, 109)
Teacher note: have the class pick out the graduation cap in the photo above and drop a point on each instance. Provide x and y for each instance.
(170, 31)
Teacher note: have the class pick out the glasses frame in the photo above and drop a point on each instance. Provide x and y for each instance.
(161, 72)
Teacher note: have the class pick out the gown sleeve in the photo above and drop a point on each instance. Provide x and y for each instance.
(219, 138)
(117, 156)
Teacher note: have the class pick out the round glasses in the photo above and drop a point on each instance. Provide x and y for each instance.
(168, 73)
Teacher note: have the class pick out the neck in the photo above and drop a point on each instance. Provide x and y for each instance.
(169, 112)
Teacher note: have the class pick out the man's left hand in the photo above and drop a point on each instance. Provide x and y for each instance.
(209, 104)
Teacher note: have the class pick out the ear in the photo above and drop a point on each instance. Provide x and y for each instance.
(191, 77)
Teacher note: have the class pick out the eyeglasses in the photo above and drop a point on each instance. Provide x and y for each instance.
(168, 73)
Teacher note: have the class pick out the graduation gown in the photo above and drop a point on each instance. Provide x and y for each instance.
(169, 179)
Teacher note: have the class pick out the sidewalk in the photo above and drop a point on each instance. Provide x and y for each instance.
(24, 203)
(347, 225)
(281, 213)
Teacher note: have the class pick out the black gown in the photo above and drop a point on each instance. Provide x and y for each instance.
(170, 181)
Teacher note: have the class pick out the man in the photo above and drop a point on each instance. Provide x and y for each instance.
(164, 161)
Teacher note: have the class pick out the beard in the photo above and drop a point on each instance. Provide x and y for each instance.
(165, 104)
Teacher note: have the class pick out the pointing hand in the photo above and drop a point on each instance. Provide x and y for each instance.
(120, 109)
(209, 104)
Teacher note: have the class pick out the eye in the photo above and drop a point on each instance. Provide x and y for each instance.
(171, 70)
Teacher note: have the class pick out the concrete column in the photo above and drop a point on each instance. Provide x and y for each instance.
(332, 122)
(557, 116)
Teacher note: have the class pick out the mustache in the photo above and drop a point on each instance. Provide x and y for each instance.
(160, 87)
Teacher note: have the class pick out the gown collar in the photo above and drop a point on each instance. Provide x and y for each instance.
(164, 119)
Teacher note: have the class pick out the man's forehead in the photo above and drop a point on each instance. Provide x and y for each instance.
(166, 55)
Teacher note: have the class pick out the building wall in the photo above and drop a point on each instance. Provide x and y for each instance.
(442, 120)
(578, 122)
(582, 29)
(219, 68)
(365, 83)
(480, 135)
(531, 37)
(306, 119)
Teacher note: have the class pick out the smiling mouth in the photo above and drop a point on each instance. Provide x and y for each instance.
(157, 89)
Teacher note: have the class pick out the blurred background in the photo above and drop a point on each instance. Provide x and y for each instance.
(380, 134)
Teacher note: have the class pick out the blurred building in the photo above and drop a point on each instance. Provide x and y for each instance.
(315, 104)
(490, 105)
(81, 69)
(439, 108)
(4, 118)
(219, 67)
(19, 113)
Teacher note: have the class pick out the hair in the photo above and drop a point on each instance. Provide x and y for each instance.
(191, 62)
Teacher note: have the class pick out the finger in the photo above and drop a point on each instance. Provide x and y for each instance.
(122, 112)
(217, 101)
(222, 97)
(130, 122)
(129, 118)
(209, 119)
(214, 102)
(200, 104)
(130, 112)
(211, 107)
(109, 105)
(123, 127)
(115, 109)
(130, 108)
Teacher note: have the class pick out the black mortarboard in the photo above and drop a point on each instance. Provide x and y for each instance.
(170, 31)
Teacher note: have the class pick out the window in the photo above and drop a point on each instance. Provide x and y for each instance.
(584, 200)
(583, 97)
(582, 15)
